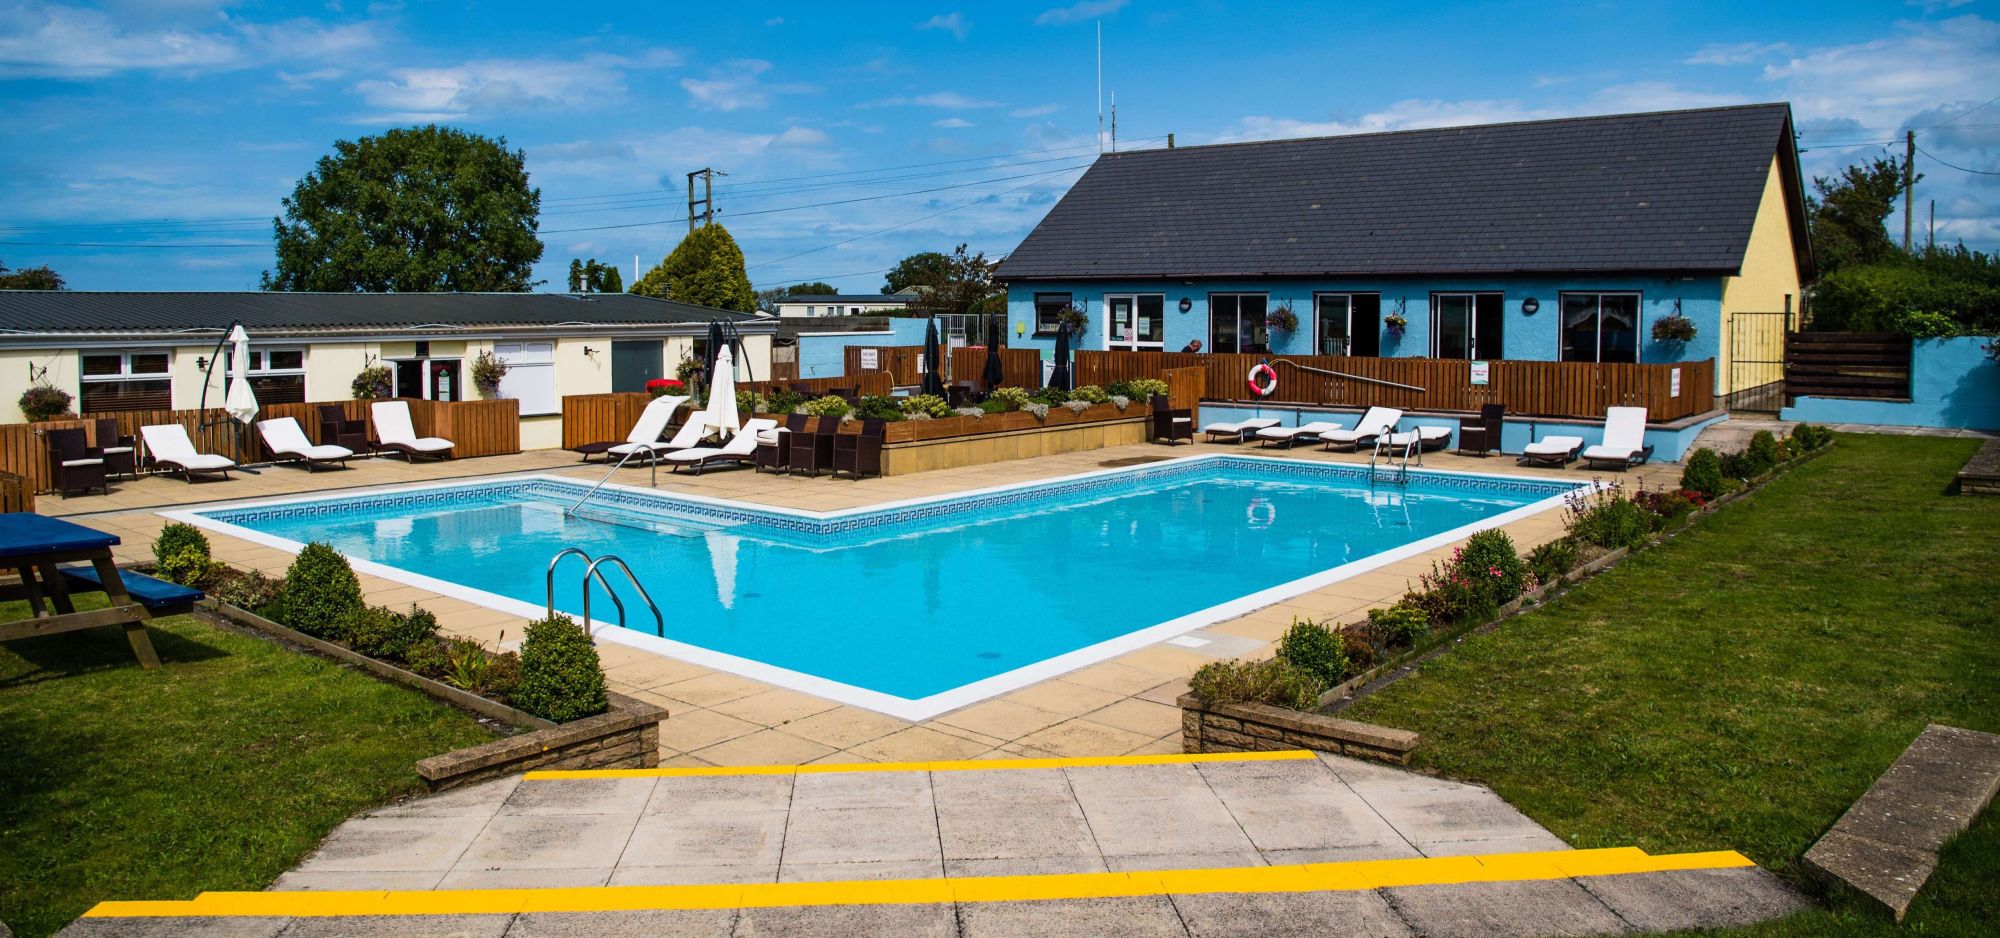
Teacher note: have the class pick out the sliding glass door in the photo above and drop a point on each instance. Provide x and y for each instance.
(1600, 327)
(1466, 325)
(1236, 323)
(1348, 324)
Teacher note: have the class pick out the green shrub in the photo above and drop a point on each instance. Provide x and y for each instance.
(751, 402)
(1608, 518)
(991, 406)
(251, 591)
(1052, 396)
(1316, 650)
(1550, 561)
(930, 405)
(385, 633)
(1401, 624)
(321, 596)
(1010, 398)
(1763, 454)
(430, 659)
(1089, 394)
(784, 402)
(1807, 437)
(180, 554)
(1272, 681)
(561, 678)
(1918, 324)
(1667, 508)
(1879, 297)
(880, 407)
(1736, 466)
(1489, 559)
(828, 406)
(1703, 473)
(1143, 389)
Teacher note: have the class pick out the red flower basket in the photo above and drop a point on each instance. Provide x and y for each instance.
(660, 387)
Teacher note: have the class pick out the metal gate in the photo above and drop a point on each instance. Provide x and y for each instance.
(1757, 360)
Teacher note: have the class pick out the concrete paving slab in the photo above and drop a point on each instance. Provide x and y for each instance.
(1503, 910)
(1194, 823)
(1536, 842)
(392, 844)
(244, 927)
(1026, 866)
(1290, 915)
(706, 794)
(554, 842)
(580, 796)
(1100, 784)
(1125, 917)
(817, 791)
(1394, 850)
(1316, 811)
(954, 790)
(402, 926)
(1687, 899)
(693, 875)
(1015, 830)
(1183, 861)
(841, 872)
(471, 878)
(695, 838)
(1431, 816)
(689, 923)
(309, 881)
(845, 835)
(481, 800)
(914, 921)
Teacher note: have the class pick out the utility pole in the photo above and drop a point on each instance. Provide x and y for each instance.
(707, 200)
(1909, 183)
(1930, 234)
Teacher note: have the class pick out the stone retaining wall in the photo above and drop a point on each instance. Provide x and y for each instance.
(1981, 475)
(1254, 727)
(625, 737)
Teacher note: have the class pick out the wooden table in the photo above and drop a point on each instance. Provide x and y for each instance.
(33, 546)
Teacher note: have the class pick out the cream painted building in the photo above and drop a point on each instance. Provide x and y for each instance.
(147, 351)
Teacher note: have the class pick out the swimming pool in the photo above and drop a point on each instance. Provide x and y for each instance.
(916, 607)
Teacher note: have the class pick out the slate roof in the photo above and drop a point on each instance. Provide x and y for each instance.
(135, 312)
(902, 299)
(1667, 191)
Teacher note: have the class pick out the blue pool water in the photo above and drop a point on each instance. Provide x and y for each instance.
(916, 600)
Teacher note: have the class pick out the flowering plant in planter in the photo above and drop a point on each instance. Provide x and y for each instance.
(1396, 323)
(1674, 328)
(373, 383)
(1076, 318)
(487, 370)
(44, 401)
(661, 387)
(1282, 318)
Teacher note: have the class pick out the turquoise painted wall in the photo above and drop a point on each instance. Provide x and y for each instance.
(1515, 432)
(1533, 338)
(1952, 384)
(824, 355)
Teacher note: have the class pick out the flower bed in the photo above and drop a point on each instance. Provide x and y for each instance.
(1321, 665)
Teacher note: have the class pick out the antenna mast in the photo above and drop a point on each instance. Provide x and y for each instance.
(1100, 86)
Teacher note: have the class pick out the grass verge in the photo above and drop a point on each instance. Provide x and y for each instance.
(219, 770)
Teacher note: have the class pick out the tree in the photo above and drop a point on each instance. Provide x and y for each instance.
(415, 210)
(31, 278)
(593, 277)
(814, 288)
(965, 285)
(917, 270)
(706, 269)
(1846, 216)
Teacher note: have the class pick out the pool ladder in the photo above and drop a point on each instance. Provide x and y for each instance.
(1402, 473)
(659, 622)
(652, 459)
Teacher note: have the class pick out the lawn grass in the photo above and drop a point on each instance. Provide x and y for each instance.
(1741, 685)
(219, 770)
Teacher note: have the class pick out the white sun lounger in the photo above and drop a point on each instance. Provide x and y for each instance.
(741, 448)
(1303, 433)
(1624, 440)
(170, 447)
(287, 441)
(1240, 430)
(1552, 450)
(647, 429)
(393, 431)
(1374, 423)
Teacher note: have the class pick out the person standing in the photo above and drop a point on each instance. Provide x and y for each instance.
(1193, 346)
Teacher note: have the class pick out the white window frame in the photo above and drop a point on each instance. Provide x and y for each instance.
(1132, 342)
(1638, 322)
(125, 373)
(531, 375)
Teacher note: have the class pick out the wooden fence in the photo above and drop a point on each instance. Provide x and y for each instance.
(1553, 389)
(16, 493)
(900, 362)
(1867, 365)
(1019, 367)
(476, 428)
(595, 418)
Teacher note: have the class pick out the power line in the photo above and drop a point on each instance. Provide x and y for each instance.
(127, 244)
(828, 247)
(1962, 114)
(1962, 169)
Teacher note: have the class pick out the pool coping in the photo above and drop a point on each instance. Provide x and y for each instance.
(911, 709)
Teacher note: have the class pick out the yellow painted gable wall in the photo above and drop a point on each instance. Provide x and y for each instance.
(1768, 282)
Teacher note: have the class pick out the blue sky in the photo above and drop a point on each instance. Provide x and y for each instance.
(179, 124)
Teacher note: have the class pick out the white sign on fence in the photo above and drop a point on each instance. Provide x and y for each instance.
(1481, 371)
(1674, 379)
(871, 359)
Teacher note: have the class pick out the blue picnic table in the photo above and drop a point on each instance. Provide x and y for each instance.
(36, 547)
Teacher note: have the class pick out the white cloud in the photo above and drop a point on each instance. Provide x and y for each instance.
(1079, 12)
(58, 41)
(1402, 115)
(953, 123)
(953, 23)
(489, 86)
(1657, 96)
(1039, 110)
(1738, 53)
(1933, 6)
(733, 87)
(944, 100)
(1883, 81)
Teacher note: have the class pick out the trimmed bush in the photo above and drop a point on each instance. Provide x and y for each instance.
(1807, 437)
(1272, 681)
(930, 405)
(1764, 453)
(1608, 519)
(250, 591)
(1703, 473)
(385, 633)
(1400, 624)
(1090, 394)
(321, 596)
(1550, 561)
(1314, 649)
(1052, 396)
(561, 678)
(180, 554)
(1009, 399)
(828, 406)
(881, 407)
(1490, 560)
(1143, 389)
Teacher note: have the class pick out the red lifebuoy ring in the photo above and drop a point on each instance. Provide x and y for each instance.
(1270, 380)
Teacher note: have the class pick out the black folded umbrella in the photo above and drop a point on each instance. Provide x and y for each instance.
(708, 356)
(994, 372)
(932, 383)
(1060, 377)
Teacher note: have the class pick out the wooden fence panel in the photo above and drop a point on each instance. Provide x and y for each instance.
(16, 493)
(1019, 367)
(475, 428)
(900, 362)
(597, 418)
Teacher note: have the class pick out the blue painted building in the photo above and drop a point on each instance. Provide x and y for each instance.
(1562, 240)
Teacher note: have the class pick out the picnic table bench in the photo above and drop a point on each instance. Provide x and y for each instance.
(36, 547)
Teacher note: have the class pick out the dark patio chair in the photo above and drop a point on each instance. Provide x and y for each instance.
(961, 394)
(1169, 424)
(337, 428)
(860, 453)
(813, 451)
(1482, 436)
(778, 455)
(120, 453)
(74, 464)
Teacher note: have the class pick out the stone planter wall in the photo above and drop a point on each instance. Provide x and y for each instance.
(625, 737)
(1254, 727)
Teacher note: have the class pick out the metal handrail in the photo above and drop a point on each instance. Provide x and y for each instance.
(551, 584)
(1415, 444)
(659, 621)
(653, 460)
(1342, 374)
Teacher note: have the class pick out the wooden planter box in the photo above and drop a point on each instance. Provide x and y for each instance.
(1255, 727)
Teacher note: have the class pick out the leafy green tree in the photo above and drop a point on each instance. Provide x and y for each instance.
(414, 210)
(593, 277)
(964, 286)
(815, 288)
(30, 278)
(1846, 215)
(706, 269)
(918, 270)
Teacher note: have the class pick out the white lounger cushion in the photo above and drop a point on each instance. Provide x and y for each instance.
(1240, 427)
(1428, 434)
(1624, 434)
(284, 437)
(169, 443)
(742, 444)
(653, 420)
(1553, 446)
(393, 428)
(1308, 429)
(690, 434)
(1377, 421)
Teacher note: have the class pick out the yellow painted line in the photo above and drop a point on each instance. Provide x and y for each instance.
(960, 765)
(1309, 877)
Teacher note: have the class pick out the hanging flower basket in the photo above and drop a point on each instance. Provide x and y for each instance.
(1396, 324)
(1281, 318)
(1675, 328)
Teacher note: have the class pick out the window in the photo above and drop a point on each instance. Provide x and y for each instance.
(1466, 325)
(1135, 322)
(531, 375)
(125, 381)
(1349, 323)
(1047, 307)
(427, 378)
(1236, 323)
(278, 375)
(1600, 327)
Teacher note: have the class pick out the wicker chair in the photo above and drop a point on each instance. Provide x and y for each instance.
(120, 453)
(777, 455)
(341, 430)
(1482, 436)
(75, 465)
(1169, 424)
(812, 452)
(860, 453)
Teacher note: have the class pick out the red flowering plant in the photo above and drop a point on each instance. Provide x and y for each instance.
(661, 387)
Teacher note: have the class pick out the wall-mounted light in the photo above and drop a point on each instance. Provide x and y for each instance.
(1020, 328)
(1186, 304)
(1530, 306)
(589, 352)
(201, 363)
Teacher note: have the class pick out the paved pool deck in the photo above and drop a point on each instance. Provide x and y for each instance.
(1124, 705)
